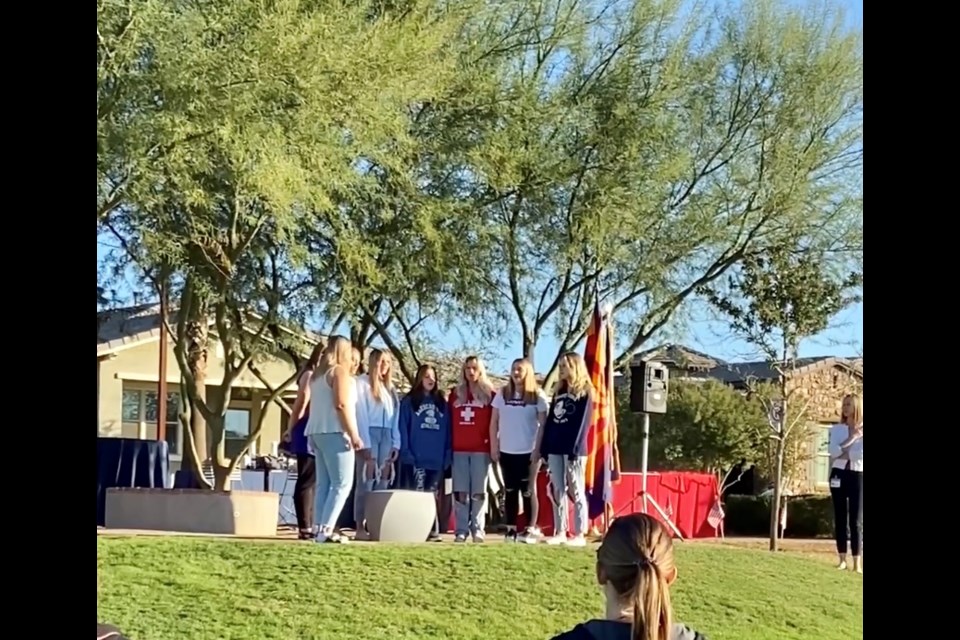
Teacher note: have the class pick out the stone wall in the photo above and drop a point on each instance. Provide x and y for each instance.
(825, 389)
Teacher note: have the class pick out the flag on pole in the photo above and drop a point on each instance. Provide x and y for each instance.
(603, 458)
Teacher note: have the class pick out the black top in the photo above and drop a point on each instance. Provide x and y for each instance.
(612, 630)
(565, 432)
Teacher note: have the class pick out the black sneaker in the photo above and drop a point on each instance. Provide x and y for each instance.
(434, 537)
(510, 536)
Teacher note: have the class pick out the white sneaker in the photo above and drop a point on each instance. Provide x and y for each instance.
(479, 537)
(460, 537)
(560, 538)
(335, 538)
(532, 535)
(577, 541)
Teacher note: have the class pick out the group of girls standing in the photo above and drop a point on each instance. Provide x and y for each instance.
(351, 431)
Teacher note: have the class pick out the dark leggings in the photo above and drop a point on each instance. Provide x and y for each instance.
(847, 508)
(304, 490)
(516, 480)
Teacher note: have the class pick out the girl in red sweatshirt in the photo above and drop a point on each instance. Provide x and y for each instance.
(470, 409)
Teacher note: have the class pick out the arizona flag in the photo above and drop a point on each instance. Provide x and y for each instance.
(603, 458)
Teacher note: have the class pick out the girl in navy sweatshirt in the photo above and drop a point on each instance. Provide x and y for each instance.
(425, 438)
(564, 445)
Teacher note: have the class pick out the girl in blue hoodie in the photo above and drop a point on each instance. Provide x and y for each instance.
(425, 438)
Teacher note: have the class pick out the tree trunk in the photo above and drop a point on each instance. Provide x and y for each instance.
(529, 348)
(218, 447)
(777, 495)
(197, 340)
(221, 477)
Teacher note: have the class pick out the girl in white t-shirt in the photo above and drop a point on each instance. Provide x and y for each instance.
(519, 411)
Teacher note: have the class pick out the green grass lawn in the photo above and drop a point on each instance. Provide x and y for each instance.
(203, 589)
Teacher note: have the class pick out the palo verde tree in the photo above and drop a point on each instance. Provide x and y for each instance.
(399, 253)
(775, 302)
(626, 150)
(280, 104)
(709, 426)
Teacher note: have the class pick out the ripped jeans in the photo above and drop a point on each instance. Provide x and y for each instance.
(568, 477)
(469, 474)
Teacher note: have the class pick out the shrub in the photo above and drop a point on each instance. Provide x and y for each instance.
(807, 516)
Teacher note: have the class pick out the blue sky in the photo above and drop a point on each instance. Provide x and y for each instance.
(701, 332)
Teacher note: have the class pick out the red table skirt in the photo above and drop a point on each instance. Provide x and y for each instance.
(687, 499)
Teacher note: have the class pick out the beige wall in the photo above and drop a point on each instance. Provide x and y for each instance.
(136, 367)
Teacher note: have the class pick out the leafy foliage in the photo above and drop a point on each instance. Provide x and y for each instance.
(273, 105)
(776, 301)
(709, 426)
(783, 296)
(794, 444)
(407, 168)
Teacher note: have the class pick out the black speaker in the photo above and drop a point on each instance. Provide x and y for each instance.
(649, 385)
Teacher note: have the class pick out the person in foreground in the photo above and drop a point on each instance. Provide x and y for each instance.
(635, 569)
(109, 632)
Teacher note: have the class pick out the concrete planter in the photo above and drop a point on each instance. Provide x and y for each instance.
(238, 513)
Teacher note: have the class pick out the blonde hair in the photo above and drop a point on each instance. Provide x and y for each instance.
(338, 352)
(857, 417)
(377, 384)
(356, 352)
(480, 391)
(578, 382)
(530, 389)
(636, 559)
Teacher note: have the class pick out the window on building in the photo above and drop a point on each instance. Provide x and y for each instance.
(822, 459)
(236, 425)
(139, 416)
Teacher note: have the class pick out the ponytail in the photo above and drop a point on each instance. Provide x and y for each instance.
(652, 618)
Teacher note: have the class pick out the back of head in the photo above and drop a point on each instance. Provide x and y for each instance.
(635, 559)
(338, 351)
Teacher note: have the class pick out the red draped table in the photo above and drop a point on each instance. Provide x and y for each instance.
(685, 497)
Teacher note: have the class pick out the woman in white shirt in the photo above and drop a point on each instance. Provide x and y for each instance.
(518, 412)
(332, 433)
(378, 419)
(846, 480)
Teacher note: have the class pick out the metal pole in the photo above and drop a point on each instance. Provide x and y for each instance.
(162, 381)
(643, 459)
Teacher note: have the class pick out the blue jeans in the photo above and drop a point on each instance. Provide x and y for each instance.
(568, 476)
(470, 471)
(380, 446)
(335, 460)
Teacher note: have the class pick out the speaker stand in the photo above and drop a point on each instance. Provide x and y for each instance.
(647, 498)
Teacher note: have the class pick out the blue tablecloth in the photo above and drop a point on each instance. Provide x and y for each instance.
(252, 480)
(129, 462)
